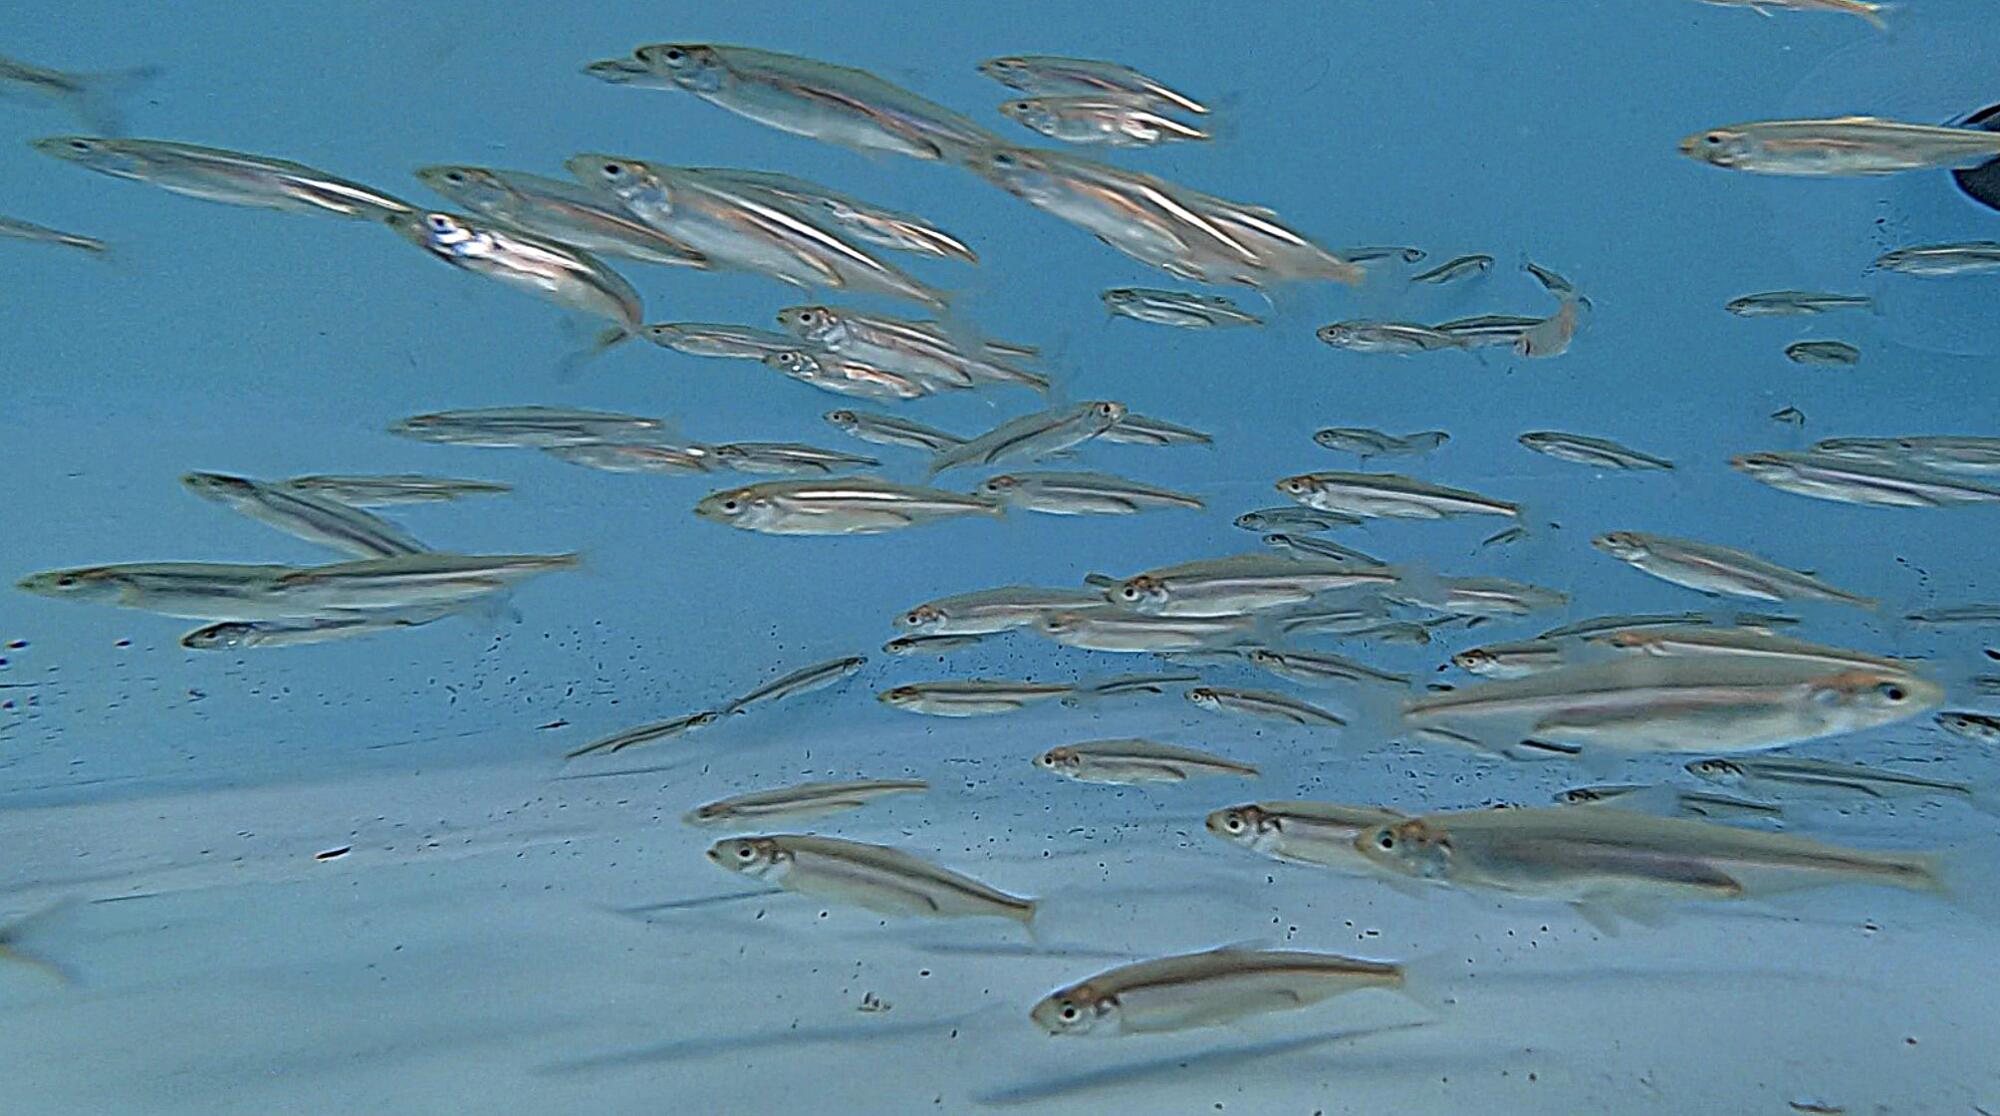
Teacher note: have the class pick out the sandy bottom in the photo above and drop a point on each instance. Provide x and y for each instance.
(529, 937)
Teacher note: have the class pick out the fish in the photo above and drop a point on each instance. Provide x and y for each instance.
(1140, 430)
(1293, 518)
(1487, 330)
(1598, 625)
(1130, 762)
(922, 349)
(1455, 269)
(1052, 75)
(305, 515)
(1612, 862)
(1956, 614)
(1399, 338)
(561, 211)
(1945, 453)
(718, 339)
(1856, 482)
(1866, 9)
(1551, 282)
(1365, 443)
(928, 644)
(971, 697)
(1177, 308)
(637, 457)
(805, 97)
(649, 733)
(1518, 659)
(1979, 728)
(1704, 703)
(1320, 834)
(1790, 415)
(1598, 453)
(1698, 804)
(993, 610)
(801, 800)
(832, 372)
(785, 457)
(1382, 252)
(1781, 774)
(1262, 703)
(1240, 583)
(865, 221)
(837, 506)
(874, 877)
(1305, 546)
(231, 177)
(13, 228)
(1551, 337)
(1056, 493)
(537, 427)
(92, 98)
(1477, 596)
(194, 590)
(1722, 570)
(565, 276)
(1109, 121)
(1844, 146)
(403, 581)
(891, 430)
(741, 229)
(1506, 536)
(1824, 354)
(243, 635)
(1334, 621)
(1936, 261)
(1748, 642)
(1390, 495)
(1037, 435)
(1770, 304)
(801, 681)
(1318, 668)
(367, 491)
(1103, 628)
(1206, 989)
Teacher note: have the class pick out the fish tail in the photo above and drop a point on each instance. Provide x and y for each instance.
(97, 102)
(1875, 13)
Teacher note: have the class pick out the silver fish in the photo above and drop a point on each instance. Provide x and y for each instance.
(832, 372)
(1177, 308)
(93, 98)
(1856, 482)
(1140, 430)
(1107, 121)
(921, 349)
(1365, 443)
(1104, 628)
(1979, 728)
(1206, 990)
(233, 177)
(1824, 354)
(1780, 774)
(1553, 335)
(718, 339)
(785, 457)
(801, 681)
(1370, 252)
(1032, 436)
(1310, 547)
(886, 228)
(402, 582)
(1129, 762)
(1790, 415)
(1506, 536)
(1599, 453)
(874, 877)
(561, 211)
(1455, 269)
(362, 491)
(195, 590)
(993, 610)
(1771, 304)
(1400, 338)
(972, 697)
(556, 272)
(1388, 494)
(305, 515)
(1044, 74)
(1988, 614)
(1056, 493)
(1315, 668)
(836, 506)
(802, 800)
(1477, 596)
(1710, 568)
(1518, 659)
(649, 733)
(242, 635)
(891, 430)
(1747, 642)
(1262, 703)
(930, 644)
(1599, 625)
(1487, 330)
(1948, 453)
(1850, 145)
(1320, 834)
(1293, 518)
(13, 228)
(636, 457)
(1943, 260)
(1699, 804)
(1241, 583)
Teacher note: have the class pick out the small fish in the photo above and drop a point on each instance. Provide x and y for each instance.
(637, 457)
(1949, 615)
(1749, 642)
(1771, 304)
(1103, 628)
(1106, 121)
(1980, 728)
(565, 276)
(993, 610)
(1851, 145)
(1709, 568)
(1316, 668)
(1051, 75)
(1599, 625)
(835, 373)
(887, 228)
(1487, 330)
(526, 426)
(1177, 308)
(1866, 9)
(1511, 660)
(891, 430)
(1082, 494)
(242, 635)
(1599, 453)
(874, 877)
(1859, 482)
(1399, 338)
(1206, 990)
(1824, 354)
(392, 489)
(1139, 430)
(232, 177)
(1361, 623)
(305, 515)
(1032, 436)
(1293, 518)
(802, 800)
(1937, 261)
(924, 350)
(785, 458)
(930, 644)
(1365, 443)
(1131, 762)
(1791, 416)
(1320, 834)
(13, 228)
(1477, 596)
(560, 211)
(1389, 495)
(1240, 583)
(1382, 252)
(1698, 804)
(1949, 453)
(93, 98)
(1455, 269)
(972, 697)
(649, 733)
(836, 506)
(1310, 547)
(1551, 337)
(718, 339)
(1262, 703)
(1551, 282)
(1778, 774)
(1506, 537)
(398, 583)
(801, 681)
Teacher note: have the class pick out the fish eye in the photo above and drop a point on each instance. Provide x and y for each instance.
(729, 505)
(1233, 822)
(1069, 1013)
(1385, 840)
(438, 221)
(454, 176)
(673, 54)
(1003, 159)
(1892, 692)
(613, 170)
(1713, 139)
(745, 852)
(65, 582)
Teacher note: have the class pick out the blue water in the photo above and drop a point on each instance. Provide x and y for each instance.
(476, 964)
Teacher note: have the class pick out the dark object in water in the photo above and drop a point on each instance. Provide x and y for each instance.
(1982, 183)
